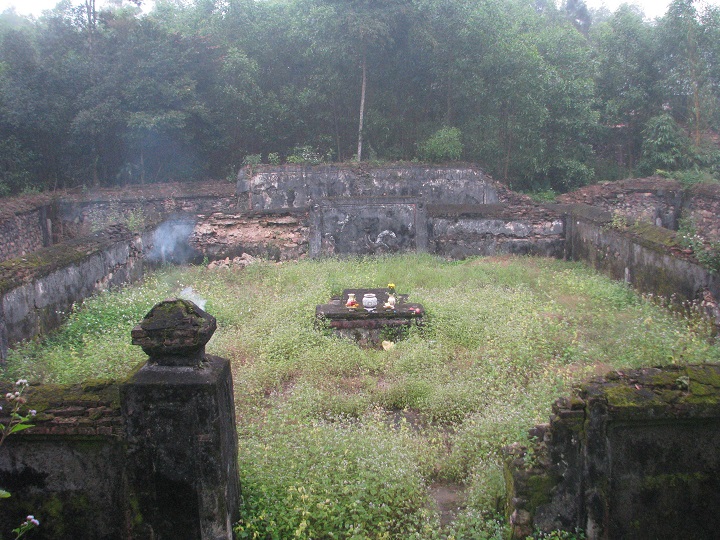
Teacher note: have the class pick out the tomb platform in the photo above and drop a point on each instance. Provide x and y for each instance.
(370, 327)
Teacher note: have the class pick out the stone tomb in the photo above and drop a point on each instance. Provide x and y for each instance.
(370, 327)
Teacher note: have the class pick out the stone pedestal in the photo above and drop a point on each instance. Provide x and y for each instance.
(181, 435)
(370, 328)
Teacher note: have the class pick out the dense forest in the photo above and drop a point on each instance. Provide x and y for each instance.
(539, 95)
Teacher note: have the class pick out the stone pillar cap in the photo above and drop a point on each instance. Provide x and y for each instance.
(174, 333)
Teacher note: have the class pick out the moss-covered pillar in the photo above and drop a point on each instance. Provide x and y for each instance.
(182, 441)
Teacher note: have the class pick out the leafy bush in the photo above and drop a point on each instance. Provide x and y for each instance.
(444, 145)
(337, 479)
(274, 158)
(665, 146)
(305, 155)
(252, 160)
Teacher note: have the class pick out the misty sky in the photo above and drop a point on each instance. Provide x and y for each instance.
(652, 8)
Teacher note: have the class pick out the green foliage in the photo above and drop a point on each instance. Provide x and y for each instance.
(305, 155)
(444, 145)
(705, 251)
(135, 220)
(338, 479)
(252, 160)
(691, 177)
(339, 440)
(543, 195)
(479, 526)
(618, 222)
(665, 145)
(558, 535)
(542, 96)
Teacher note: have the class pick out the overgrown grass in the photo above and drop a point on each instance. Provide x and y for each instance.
(342, 442)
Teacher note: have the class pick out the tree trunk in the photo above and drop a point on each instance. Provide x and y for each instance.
(362, 104)
(448, 104)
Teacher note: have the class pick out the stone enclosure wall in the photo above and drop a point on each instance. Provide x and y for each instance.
(38, 289)
(631, 455)
(62, 249)
(285, 213)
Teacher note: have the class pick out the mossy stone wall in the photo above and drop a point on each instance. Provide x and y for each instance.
(68, 469)
(634, 454)
(36, 290)
(643, 255)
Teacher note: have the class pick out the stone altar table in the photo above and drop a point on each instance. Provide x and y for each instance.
(370, 327)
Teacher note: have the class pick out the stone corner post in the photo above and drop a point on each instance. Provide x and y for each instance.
(181, 437)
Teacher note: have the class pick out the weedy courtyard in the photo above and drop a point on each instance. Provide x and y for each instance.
(337, 441)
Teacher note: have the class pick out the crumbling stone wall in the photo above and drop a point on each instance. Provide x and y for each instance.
(24, 230)
(275, 236)
(300, 187)
(643, 255)
(82, 213)
(459, 231)
(634, 454)
(703, 209)
(68, 468)
(655, 200)
(36, 290)
(282, 213)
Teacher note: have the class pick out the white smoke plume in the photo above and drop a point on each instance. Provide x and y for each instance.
(170, 242)
(188, 293)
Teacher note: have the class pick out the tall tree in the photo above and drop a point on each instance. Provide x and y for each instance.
(686, 68)
(366, 24)
(627, 81)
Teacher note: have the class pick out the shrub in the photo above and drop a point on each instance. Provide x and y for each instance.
(444, 145)
(252, 160)
(665, 146)
(306, 155)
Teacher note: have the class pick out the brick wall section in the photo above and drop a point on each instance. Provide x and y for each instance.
(88, 409)
(276, 236)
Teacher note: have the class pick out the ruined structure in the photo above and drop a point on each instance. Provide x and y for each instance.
(106, 237)
(621, 450)
(154, 456)
(630, 455)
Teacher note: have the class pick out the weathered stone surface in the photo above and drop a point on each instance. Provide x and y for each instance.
(174, 333)
(185, 483)
(645, 256)
(301, 186)
(370, 327)
(67, 470)
(37, 290)
(623, 451)
(367, 226)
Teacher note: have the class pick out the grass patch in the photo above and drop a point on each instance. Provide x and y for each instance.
(342, 442)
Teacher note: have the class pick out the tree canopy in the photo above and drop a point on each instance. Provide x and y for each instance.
(539, 95)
